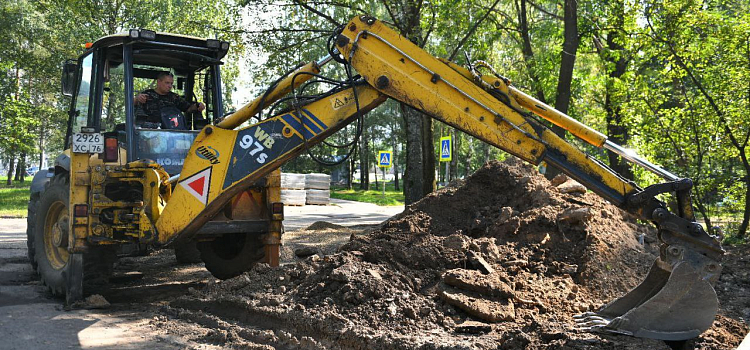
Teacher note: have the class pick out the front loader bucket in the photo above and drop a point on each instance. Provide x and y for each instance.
(674, 302)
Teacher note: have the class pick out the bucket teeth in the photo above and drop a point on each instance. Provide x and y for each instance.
(593, 323)
(675, 302)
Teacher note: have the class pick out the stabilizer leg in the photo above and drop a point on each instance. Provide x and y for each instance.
(74, 279)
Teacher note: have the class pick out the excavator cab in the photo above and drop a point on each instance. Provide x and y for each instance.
(119, 169)
(105, 79)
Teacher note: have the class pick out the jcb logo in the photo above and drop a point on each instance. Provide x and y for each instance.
(209, 153)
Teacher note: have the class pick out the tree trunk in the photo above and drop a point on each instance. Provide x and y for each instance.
(467, 157)
(21, 168)
(456, 136)
(413, 176)
(42, 131)
(485, 151)
(364, 161)
(11, 169)
(616, 128)
(704, 212)
(350, 170)
(375, 169)
(395, 164)
(419, 177)
(746, 217)
(528, 53)
(567, 63)
(428, 152)
(394, 144)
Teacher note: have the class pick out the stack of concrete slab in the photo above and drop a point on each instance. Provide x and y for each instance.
(293, 189)
(318, 189)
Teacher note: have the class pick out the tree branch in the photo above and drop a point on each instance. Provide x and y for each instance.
(320, 14)
(393, 17)
(542, 10)
(680, 62)
(307, 40)
(432, 27)
(472, 31)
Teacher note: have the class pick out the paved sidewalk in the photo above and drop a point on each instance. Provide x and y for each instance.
(31, 319)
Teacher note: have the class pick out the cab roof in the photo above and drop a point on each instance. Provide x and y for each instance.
(163, 49)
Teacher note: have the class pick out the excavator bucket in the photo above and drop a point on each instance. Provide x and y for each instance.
(675, 302)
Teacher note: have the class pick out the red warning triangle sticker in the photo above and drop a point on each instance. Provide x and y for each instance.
(198, 184)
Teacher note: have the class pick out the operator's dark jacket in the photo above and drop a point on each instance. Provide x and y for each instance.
(152, 108)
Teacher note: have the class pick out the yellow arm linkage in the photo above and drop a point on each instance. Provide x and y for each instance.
(221, 163)
(276, 91)
(676, 300)
(405, 72)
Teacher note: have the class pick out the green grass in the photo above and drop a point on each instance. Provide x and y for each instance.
(730, 229)
(14, 199)
(374, 196)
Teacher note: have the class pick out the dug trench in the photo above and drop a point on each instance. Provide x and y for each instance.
(501, 260)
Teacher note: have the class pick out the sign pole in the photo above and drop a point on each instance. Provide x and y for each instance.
(447, 172)
(446, 153)
(383, 182)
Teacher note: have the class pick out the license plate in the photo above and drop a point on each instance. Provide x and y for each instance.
(88, 143)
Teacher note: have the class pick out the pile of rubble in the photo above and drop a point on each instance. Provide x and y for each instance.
(500, 260)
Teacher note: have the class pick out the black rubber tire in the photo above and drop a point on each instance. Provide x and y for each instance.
(187, 252)
(98, 262)
(232, 254)
(30, 223)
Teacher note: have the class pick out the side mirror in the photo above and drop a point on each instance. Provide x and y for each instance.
(69, 77)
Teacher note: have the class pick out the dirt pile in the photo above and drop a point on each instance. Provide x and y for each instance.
(535, 225)
(501, 260)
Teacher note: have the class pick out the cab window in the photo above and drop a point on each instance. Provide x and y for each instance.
(113, 103)
(84, 97)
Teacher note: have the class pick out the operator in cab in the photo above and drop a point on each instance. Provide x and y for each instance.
(160, 107)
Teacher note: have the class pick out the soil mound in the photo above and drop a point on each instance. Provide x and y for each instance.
(323, 225)
(512, 207)
(502, 260)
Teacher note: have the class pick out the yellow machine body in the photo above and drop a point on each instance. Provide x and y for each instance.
(230, 177)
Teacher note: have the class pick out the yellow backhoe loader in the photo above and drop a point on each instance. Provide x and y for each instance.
(215, 185)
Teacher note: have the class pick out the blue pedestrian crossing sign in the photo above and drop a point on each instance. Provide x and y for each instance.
(384, 159)
(445, 149)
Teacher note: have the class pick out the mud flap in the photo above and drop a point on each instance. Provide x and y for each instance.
(669, 305)
(73, 276)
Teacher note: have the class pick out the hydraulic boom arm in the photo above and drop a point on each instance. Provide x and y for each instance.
(676, 300)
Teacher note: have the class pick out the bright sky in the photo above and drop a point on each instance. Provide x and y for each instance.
(244, 92)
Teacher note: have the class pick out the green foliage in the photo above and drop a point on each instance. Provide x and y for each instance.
(690, 96)
(40, 35)
(732, 238)
(18, 120)
(684, 95)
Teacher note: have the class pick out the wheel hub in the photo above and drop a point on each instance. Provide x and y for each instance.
(60, 233)
(56, 235)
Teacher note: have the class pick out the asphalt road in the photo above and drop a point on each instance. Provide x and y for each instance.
(30, 318)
